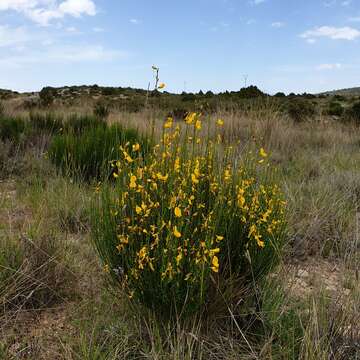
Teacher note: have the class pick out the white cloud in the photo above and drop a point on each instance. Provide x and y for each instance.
(135, 21)
(43, 11)
(278, 24)
(344, 33)
(329, 67)
(77, 8)
(12, 36)
(63, 55)
(257, 2)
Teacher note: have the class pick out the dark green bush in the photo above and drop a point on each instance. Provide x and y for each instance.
(47, 96)
(335, 109)
(353, 113)
(11, 128)
(89, 155)
(300, 109)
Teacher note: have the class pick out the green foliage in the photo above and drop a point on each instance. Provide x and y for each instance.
(178, 219)
(47, 96)
(335, 109)
(250, 92)
(11, 128)
(353, 113)
(300, 109)
(78, 124)
(88, 156)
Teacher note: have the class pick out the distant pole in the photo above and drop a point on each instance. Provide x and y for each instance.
(246, 79)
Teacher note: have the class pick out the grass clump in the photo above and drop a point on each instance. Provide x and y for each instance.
(88, 156)
(188, 220)
(11, 129)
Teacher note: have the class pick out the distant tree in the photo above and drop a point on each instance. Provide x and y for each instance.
(280, 95)
(209, 94)
(250, 92)
(200, 93)
(47, 96)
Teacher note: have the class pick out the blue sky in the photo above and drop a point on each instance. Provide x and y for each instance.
(280, 45)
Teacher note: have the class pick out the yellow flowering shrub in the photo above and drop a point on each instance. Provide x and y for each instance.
(190, 211)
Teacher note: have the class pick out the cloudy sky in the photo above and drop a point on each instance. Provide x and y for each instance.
(287, 45)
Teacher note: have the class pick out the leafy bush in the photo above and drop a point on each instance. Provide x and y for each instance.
(178, 219)
(353, 113)
(88, 156)
(47, 96)
(11, 128)
(335, 109)
(300, 110)
(250, 92)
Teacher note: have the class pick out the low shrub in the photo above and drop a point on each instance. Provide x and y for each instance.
(186, 221)
(88, 156)
(335, 109)
(11, 128)
(353, 113)
(300, 109)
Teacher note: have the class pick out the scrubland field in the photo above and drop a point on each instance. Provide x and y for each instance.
(225, 232)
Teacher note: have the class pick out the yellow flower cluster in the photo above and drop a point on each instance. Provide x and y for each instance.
(178, 211)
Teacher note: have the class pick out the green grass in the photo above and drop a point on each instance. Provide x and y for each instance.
(89, 156)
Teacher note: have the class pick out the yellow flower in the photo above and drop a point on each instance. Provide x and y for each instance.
(132, 182)
(106, 268)
(128, 157)
(138, 209)
(136, 147)
(190, 118)
(219, 238)
(169, 123)
(177, 164)
(161, 85)
(220, 122)
(194, 179)
(177, 212)
(177, 233)
(263, 153)
(179, 258)
(215, 264)
(227, 175)
(198, 125)
(115, 175)
(162, 177)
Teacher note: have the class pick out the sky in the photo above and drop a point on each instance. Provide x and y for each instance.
(278, 45)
